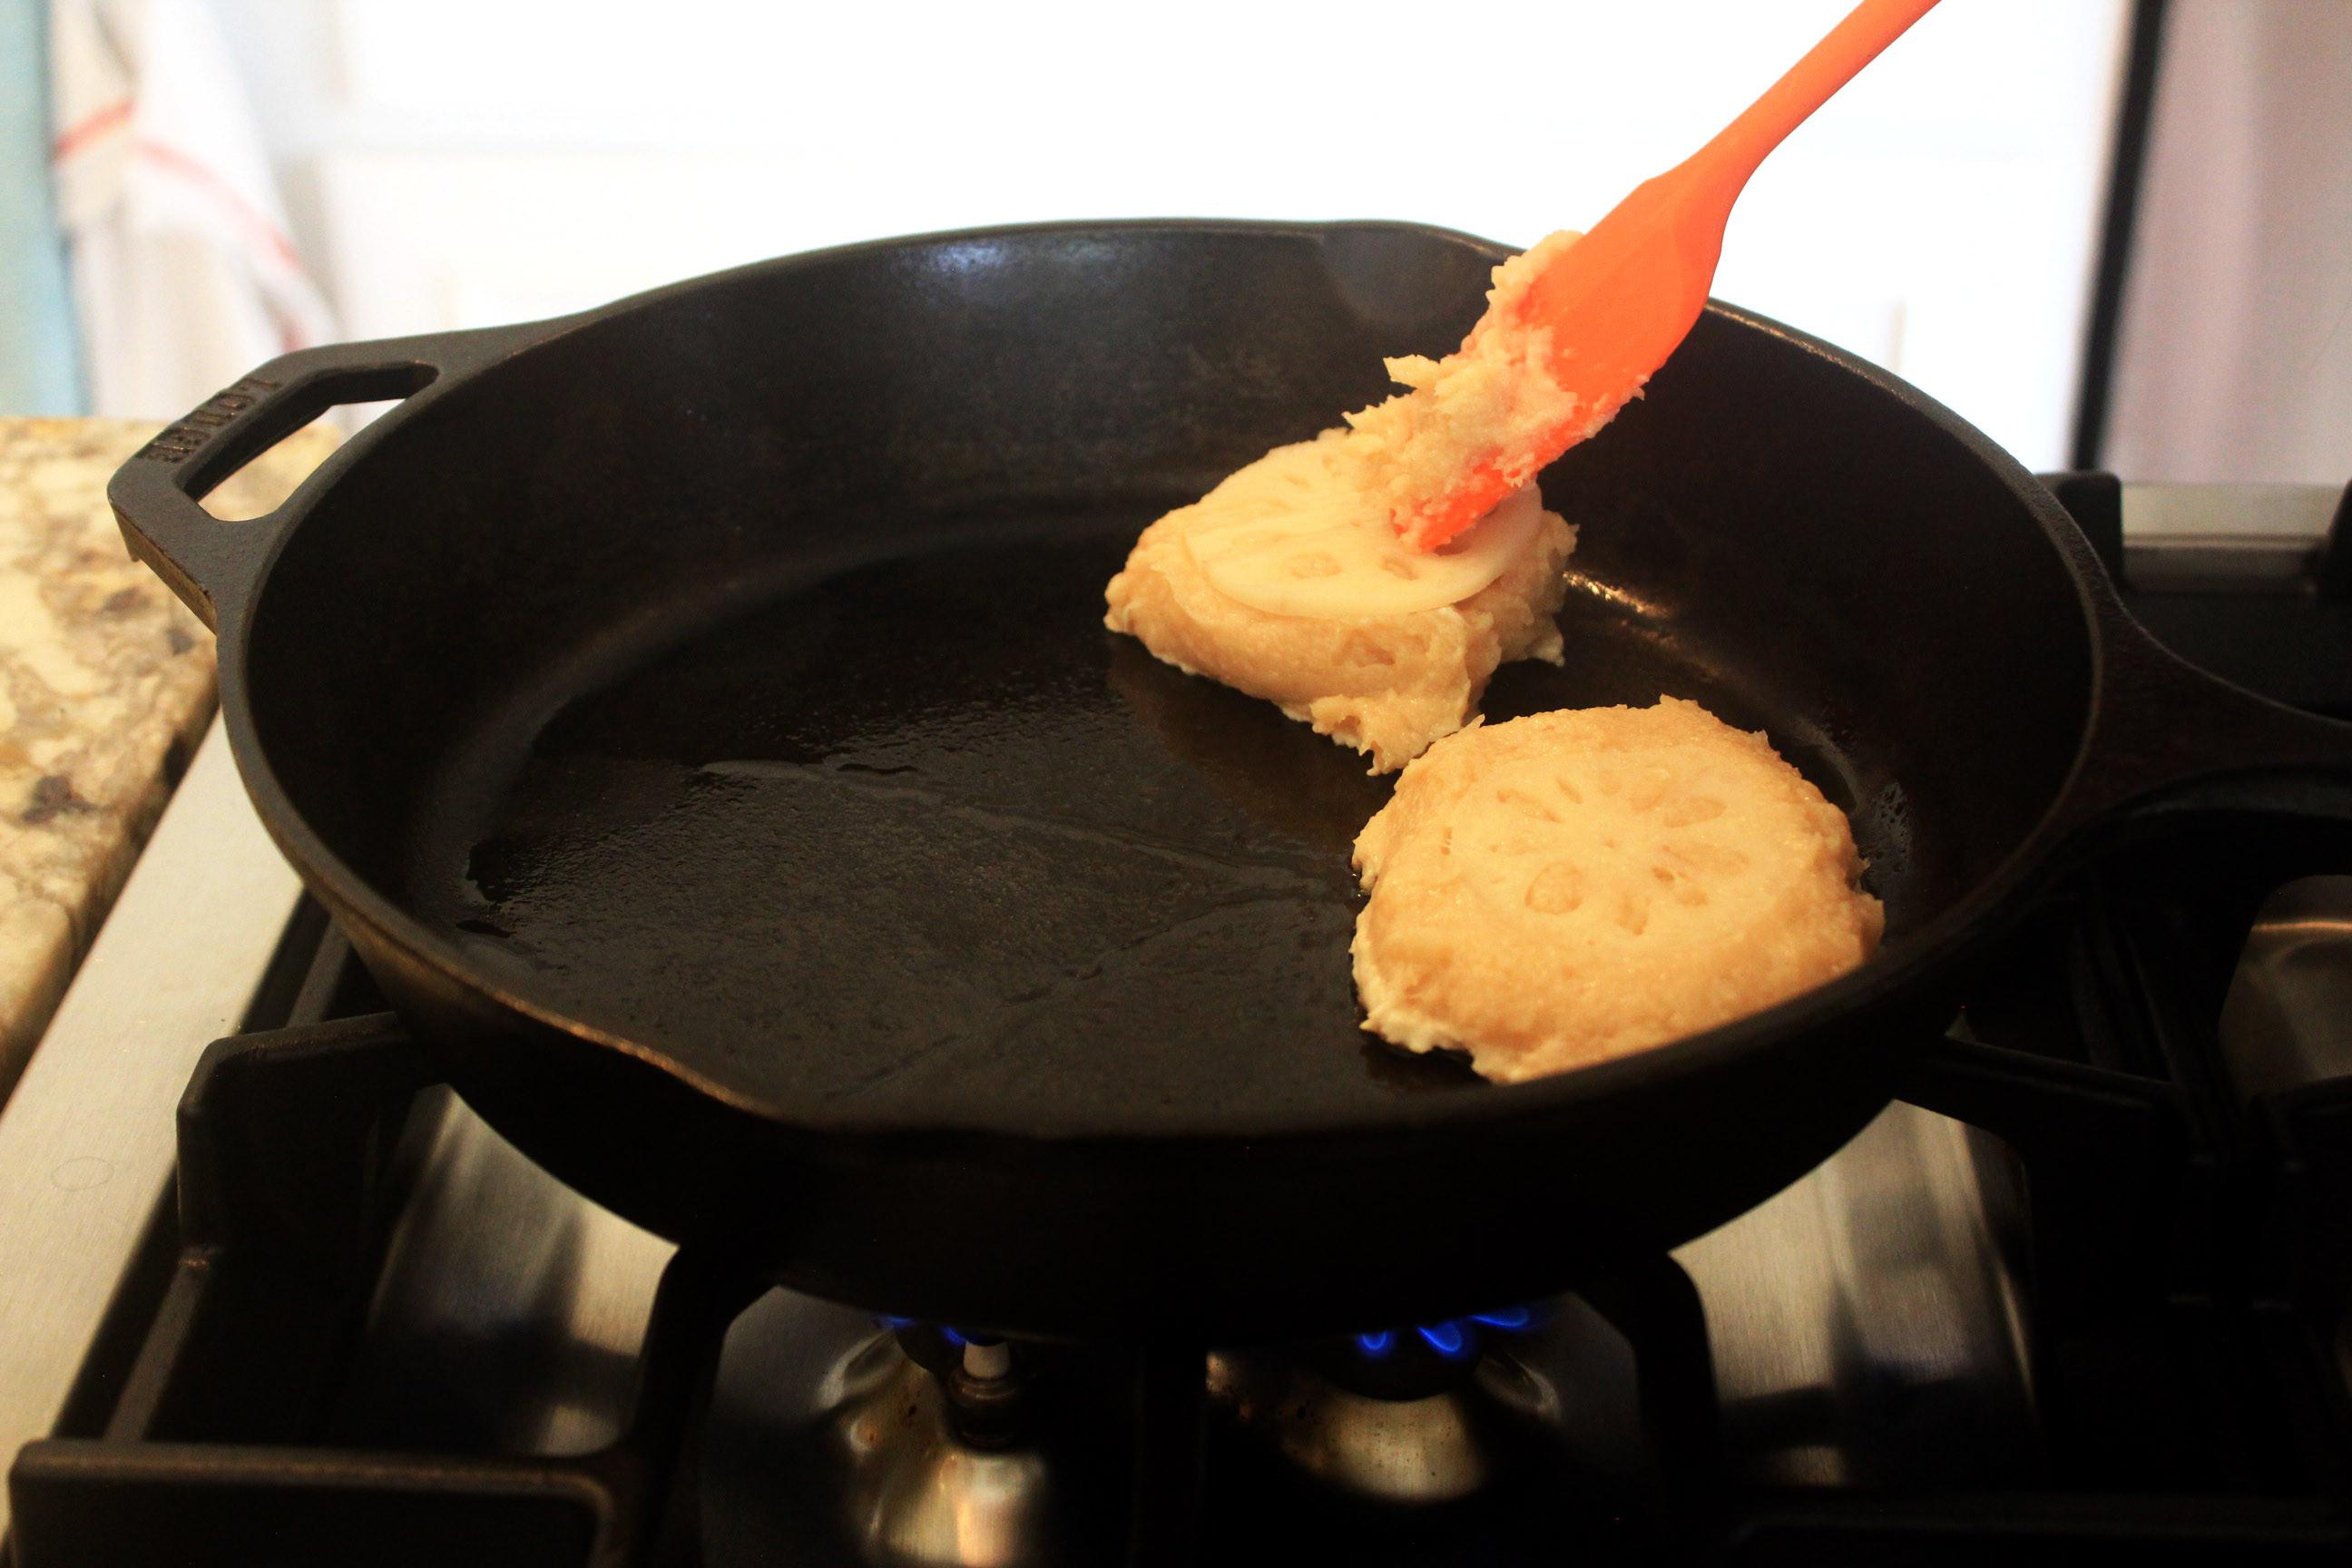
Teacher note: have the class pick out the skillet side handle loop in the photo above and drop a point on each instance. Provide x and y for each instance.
(2172, 747)
(158, 495)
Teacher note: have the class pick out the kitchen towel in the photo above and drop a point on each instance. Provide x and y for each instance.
(183, 274)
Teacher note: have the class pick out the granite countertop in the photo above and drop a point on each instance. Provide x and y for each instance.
(106, 683)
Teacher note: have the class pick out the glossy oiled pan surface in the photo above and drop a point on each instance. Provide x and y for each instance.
(923, 838)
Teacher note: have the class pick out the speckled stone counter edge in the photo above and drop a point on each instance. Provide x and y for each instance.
(106, 683)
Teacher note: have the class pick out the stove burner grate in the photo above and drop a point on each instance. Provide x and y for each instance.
(2186, 1268)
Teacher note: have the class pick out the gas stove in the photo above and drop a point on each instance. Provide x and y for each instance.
(2079, 1296)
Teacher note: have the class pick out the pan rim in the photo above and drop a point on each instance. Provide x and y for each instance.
(1907, 968)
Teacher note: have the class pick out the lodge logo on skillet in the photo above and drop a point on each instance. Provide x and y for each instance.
(178, 441)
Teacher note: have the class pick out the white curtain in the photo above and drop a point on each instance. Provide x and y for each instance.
(184, 276)
(2234, 360)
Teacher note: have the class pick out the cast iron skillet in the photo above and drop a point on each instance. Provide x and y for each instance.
(698, 713)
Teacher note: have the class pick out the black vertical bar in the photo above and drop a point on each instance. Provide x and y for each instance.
(2334, 570)
(1654, 1304)
(2095, 502)
(1171, 1398)
(2133, 116)
(655, 1468)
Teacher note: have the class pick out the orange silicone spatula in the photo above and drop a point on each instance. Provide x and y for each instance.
(1620, 300)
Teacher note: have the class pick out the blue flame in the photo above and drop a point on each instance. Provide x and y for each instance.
(1450, 1338)
(892, 1321)
(1455, 1339)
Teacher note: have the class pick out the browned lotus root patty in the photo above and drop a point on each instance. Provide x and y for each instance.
(1342, 639)
(1584, 884)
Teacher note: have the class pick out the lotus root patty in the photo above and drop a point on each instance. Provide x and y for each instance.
(1580, 885)
(1385, 684)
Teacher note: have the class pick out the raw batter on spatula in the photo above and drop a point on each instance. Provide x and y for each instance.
(1291, 582)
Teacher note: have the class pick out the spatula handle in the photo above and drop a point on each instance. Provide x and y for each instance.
(1828, 65)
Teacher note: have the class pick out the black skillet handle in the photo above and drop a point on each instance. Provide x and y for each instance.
(2172, 747)
(157, 495)
(2171, 743)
